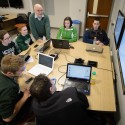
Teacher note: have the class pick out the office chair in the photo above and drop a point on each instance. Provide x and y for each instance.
(21, 18)
(17, 47)
(1, 121)
(28, 15)
(1, 24)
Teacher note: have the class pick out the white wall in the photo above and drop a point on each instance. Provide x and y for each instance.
(27, 8)
(36, 1)
(61, 9)
(77, 10)
(121, 98)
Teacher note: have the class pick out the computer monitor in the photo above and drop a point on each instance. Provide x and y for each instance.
(121, 58)
(118, 31)
(4, 3)
(17, 4)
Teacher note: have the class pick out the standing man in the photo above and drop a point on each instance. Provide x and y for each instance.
(39, 23)
(96, 34)
(14, 104)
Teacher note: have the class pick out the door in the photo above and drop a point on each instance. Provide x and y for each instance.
(98, 8)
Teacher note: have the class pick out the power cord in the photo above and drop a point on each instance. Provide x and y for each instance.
(59, 79)
(60, 67)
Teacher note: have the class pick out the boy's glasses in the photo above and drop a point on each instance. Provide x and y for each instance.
(7, 38)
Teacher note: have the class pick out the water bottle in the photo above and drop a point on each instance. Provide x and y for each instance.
(94, 41)
(93, 78)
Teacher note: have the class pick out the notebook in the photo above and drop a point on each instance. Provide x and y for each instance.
(94, 48)
(26, 56)
(43, 47)
(78, 76)
(45, 65)
(59, 43)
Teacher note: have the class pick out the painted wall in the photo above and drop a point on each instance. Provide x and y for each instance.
(78, 12)
(61, 10)
(121, 98)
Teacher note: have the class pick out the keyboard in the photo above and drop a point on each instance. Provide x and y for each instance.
(40, 47)
(81, 86)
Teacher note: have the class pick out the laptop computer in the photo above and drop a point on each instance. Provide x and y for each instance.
(26, 56)
(59, 43)
(78, 76)
(43, 47)
(45, 65)
(94, 48)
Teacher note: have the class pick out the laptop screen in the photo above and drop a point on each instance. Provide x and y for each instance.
(46, 45)
(46, 60)
(78, 71)
(60, 43)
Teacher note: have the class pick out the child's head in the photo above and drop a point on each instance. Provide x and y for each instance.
(5, 38)
(67, 22)
(23, 29)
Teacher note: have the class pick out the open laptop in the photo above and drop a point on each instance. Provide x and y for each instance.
(45, 65)
(26, 56)
(94, 48)
(59, 43)
(78, 76)
(43, 47)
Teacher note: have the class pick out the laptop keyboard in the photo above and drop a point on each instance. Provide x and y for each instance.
(39, 48)
(81, 86)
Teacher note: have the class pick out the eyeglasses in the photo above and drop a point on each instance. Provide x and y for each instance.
(7, 38)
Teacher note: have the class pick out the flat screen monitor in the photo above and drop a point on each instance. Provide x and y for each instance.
(4, 3)
(118, 31)
(16, 3)
(121, 56)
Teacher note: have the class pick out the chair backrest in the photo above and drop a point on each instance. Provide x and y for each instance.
(17, 47)
(22, 18)
(1, 121)
(28, 14)
(72, 114)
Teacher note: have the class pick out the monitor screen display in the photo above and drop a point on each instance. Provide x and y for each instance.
(4, 3)
(121, 55)
(16, 4)
(78, 72)
(119, 28)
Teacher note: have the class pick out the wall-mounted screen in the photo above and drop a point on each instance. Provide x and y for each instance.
(4, 3)
(16, 3)
(121, 56)
(118, 31)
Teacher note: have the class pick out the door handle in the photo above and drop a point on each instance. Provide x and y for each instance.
(96, 15)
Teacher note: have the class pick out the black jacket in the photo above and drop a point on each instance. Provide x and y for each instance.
(99, 34)
(67, 107)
